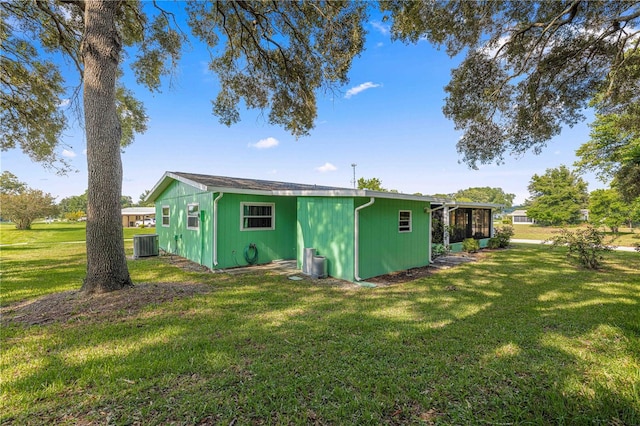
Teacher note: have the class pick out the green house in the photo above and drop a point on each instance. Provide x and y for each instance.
(223, 222)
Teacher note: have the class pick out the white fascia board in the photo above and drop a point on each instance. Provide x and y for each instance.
(475, 205)
(399, 196)
(165, 181)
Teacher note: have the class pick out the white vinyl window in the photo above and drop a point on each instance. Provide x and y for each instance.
(404, 221)
(257, 216)
(165, 215)
(193, 216)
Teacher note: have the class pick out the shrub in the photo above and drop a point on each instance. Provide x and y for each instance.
(438, 250)
(587, 245)
(501, 237)
(470, 245)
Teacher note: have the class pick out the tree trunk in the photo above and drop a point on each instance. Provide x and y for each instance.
(106, 261)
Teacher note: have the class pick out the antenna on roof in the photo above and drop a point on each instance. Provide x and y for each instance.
(354, 181)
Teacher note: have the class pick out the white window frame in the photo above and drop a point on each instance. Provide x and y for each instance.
(191, 215)
(168, 216)
(402, 225)
(249, 203)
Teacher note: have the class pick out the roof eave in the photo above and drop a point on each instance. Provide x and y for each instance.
(166, 180)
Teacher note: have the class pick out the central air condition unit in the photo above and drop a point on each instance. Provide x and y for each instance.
(145, 245)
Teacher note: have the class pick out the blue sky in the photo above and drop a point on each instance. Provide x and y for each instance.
(388, 120)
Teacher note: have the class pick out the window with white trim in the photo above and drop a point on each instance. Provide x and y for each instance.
(257, 216)
(404, 221)
(165, 215)
(193, 216)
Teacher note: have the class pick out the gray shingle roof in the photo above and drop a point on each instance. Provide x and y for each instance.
(251, 184)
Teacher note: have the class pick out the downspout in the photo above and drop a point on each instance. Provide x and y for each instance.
(215, 229)
(431, 227)
(356, 245)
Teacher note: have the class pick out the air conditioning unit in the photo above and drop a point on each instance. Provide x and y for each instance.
(145, 245)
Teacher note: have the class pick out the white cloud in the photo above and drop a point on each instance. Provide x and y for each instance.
(383, 29)
(265, 143)
(63, 103)
(327, 167)
(68, 154)
(361, 88)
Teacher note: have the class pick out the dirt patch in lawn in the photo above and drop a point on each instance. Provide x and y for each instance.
(408, 275)
(71, 306)
(402, 276)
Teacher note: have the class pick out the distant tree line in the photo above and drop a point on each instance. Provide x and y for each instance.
(22, 205)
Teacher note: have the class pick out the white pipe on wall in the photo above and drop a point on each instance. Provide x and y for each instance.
(356, 245)
(215, 229)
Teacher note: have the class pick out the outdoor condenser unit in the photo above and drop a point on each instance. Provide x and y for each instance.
(145, 245)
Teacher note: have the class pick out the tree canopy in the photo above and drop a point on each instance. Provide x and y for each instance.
(613, 152)
(557, 197)
(21, 204)
(9, 183)
(373, 184)
(530, 68)
(485, 195)
(606, 207)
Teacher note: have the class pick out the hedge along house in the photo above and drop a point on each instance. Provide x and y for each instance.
(223, 222)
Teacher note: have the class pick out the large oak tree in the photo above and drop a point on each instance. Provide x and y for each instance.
(273, 55)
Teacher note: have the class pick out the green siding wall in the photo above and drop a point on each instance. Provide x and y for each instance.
(279, 243)
(383, 248)
(197, 245)
(194, 244)
(326, 224)
(323, 223)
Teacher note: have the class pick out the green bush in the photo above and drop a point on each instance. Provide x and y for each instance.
(587, 245)
(470, 245)
(501, 237)
(438, 250)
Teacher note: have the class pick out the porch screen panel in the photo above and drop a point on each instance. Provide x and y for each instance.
(481, 223)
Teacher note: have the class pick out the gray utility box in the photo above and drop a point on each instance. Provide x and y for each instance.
(307, 260)
(145, 245)
(319, 267)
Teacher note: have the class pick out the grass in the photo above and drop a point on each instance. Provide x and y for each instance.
(625, 237)
(55, 251)
(483, 343)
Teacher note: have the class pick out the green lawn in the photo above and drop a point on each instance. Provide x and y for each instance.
(625, 237)
(521, 337)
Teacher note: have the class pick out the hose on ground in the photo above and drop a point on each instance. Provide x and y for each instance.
(251, 254)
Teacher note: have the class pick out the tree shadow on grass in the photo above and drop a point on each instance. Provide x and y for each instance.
(521, 337)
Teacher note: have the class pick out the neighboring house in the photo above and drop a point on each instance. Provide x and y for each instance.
(519, 217)
(224, 222)
(131, 215)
